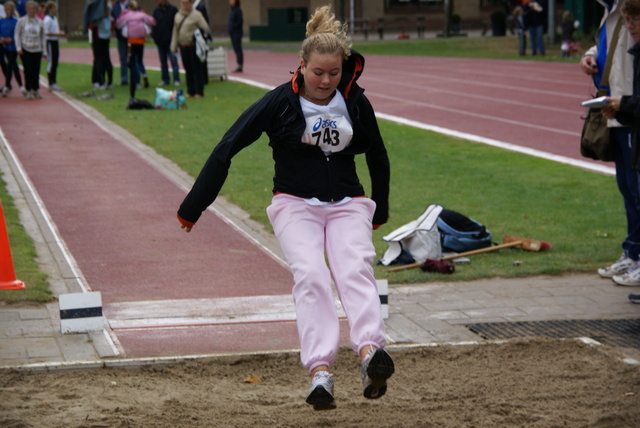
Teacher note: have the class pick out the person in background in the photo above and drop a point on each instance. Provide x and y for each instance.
(102, 73)
(123, 47)
(535, 18)
(592, 63)
(52, 33)
(521, 30)
(29, 38)
(317, 123)
(186, 22)
(3, 64)
(164, 15)
(568, 26)
(135, 25)
(7, 32)
(235, 32)
(200, 7)
(21, 8)
(626, 110)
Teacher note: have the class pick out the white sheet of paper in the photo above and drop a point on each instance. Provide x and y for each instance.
(595, 102)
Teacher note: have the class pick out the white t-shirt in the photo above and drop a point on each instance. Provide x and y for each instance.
(50, 24)
(328, 127)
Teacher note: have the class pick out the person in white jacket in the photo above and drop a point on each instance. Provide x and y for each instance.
(626, 270)
(52, 33)
(29, 39)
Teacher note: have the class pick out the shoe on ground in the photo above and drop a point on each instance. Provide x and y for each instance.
(162, 83)
(631, 278)
(376, 368)
(29, 95)
(320, 394)
(145, 81)
(5, 91)
(176, 83)
(238, 69)
(55, 87)
(23, 90)
(36, 95)
(98, 87)
(621, 266)
(634, 298)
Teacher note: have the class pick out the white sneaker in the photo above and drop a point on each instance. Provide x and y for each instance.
(621, 266)
(5, 91)
(631, 278)
(23, 90)
(55, 87)
(36, 95)
(320, 394)
(176, 83)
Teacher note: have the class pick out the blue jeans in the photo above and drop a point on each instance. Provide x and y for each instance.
(537, 39)
(123, 54)
(522, 42)
(627, 180)
(165, 53)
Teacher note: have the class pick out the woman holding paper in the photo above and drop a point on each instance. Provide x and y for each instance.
(611, 49)
(626, 108)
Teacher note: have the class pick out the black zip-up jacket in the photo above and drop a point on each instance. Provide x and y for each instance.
(162, 31)
(629, 113)
(300, 169)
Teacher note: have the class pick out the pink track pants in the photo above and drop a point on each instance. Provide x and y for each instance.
(305, 232)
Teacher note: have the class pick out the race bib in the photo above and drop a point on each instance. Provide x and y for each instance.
(332, 133)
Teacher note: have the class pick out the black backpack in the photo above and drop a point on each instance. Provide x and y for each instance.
(138, 104)
(459, 233)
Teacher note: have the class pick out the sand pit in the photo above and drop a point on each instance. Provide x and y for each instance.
(522, 383)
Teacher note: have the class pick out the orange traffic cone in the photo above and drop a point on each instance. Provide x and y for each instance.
(8, 279)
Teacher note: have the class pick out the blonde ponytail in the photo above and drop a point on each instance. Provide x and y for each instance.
(325, 35)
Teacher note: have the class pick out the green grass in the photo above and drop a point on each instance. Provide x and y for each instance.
(579, 212)
(24, 257)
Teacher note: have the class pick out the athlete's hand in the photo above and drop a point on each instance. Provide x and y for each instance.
(184, 224)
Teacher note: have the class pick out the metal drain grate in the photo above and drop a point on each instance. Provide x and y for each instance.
(622, 332)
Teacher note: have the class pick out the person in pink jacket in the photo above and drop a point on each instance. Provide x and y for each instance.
(135, 26)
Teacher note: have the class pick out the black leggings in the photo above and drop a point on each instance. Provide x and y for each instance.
(102, 66)
(53, 52)
(31, 63)
(193, 70)
(12, 67)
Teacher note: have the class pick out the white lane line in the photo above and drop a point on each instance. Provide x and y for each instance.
(44, 214)
(500, 144)
(201, 312)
